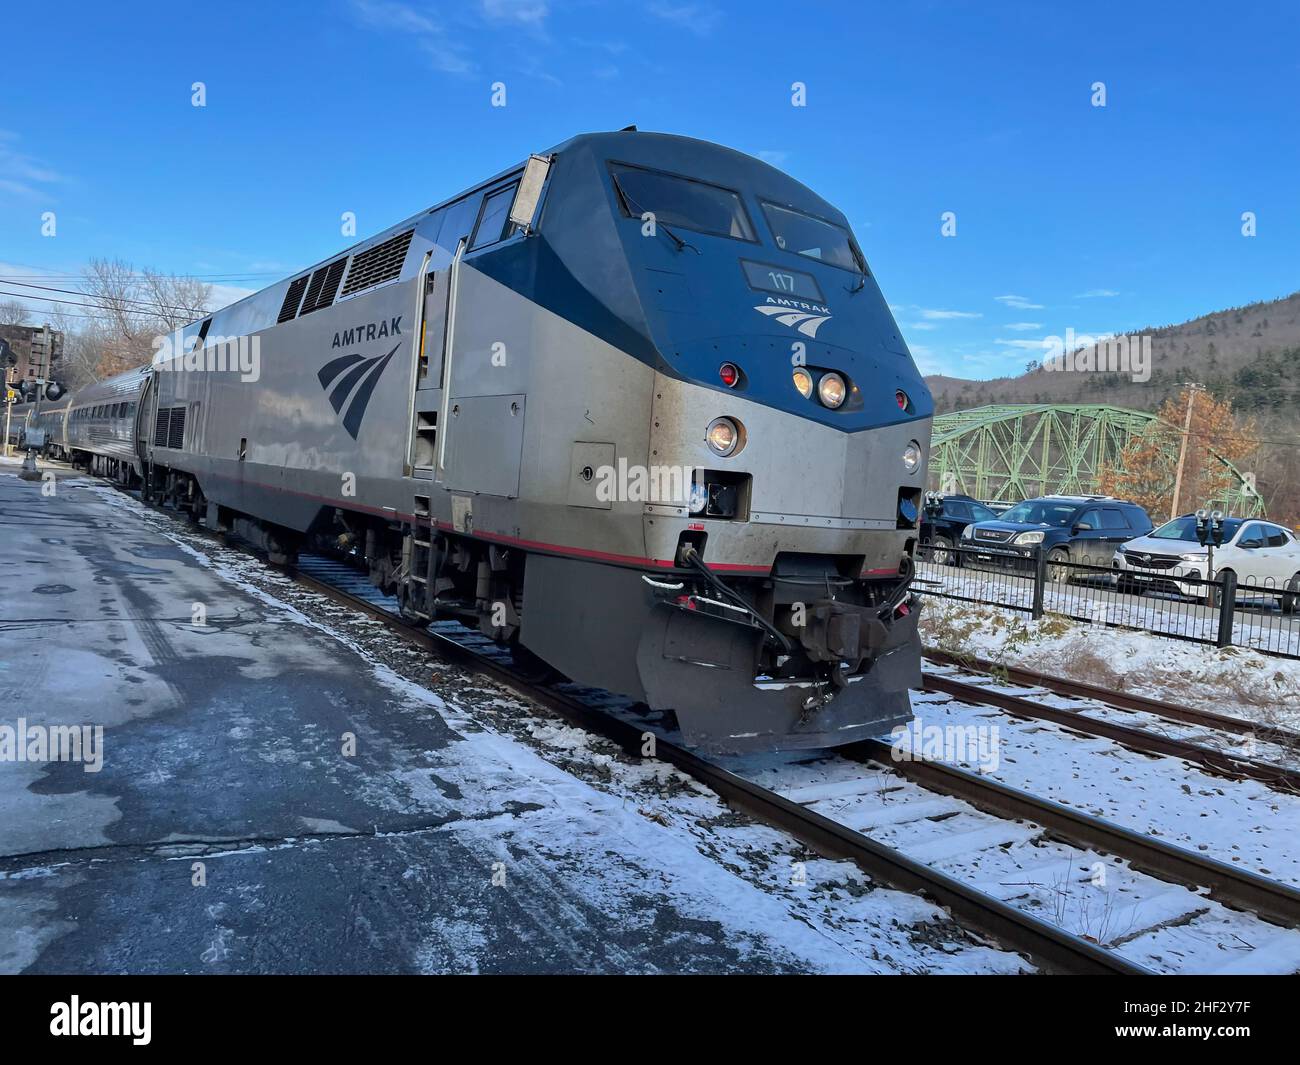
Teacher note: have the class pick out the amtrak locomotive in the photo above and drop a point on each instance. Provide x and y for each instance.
(636, 406)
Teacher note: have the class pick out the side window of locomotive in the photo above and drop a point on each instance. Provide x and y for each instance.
(813, 238)
(457, 223)
(494, 219)
(681, 201)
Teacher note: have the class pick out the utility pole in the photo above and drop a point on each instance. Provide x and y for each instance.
(1192, 389)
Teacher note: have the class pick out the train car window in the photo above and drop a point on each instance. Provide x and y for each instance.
(681, 201)
(458, 223)
(494, 219)
(813, 238)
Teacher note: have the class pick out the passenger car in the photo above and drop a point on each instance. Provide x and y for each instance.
(1258, 553)
(942, 526)
(1070, 529)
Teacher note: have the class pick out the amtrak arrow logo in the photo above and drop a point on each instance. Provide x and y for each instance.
(797, 314)
(358, 381)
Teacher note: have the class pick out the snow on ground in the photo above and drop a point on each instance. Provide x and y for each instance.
(1231, 680)
(1239, 822)
(705, 860)
(1162, 926)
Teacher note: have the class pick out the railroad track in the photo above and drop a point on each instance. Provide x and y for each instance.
(1047, 943)
(1217, 760)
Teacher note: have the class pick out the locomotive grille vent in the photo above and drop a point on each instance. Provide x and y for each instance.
(376, 265)
(169, 429)
(324, 286)
(292, 298)
(176, 431)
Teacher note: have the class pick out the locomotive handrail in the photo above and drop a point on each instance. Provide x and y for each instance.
(449, 345)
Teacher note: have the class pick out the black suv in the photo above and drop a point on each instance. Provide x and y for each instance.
(942, 523)
(1082, 529)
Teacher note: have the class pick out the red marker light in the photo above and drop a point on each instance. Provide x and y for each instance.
(903, 402)
(729, 373)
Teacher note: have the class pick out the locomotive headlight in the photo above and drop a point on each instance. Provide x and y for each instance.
(723, 436)
(912, 456)
(831, 390)
(803, 382)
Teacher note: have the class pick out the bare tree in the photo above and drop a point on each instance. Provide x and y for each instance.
(136, 309)
(12, 312)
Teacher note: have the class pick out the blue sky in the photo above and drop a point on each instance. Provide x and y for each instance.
(1099, 219)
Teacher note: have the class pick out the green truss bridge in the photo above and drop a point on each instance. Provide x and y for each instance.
(1014, 451)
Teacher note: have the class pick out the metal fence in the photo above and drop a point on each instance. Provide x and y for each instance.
(1228, 611)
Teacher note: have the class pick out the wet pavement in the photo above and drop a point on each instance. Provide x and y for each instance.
(269, 801)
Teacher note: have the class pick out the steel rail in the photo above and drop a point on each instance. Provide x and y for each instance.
(1137, 739)
(1234, 887)
(1123, 700)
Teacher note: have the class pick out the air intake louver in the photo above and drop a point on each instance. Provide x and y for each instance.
(381, 263)
(292, 298)
(324, 286)
(160, 429)
(176, 431)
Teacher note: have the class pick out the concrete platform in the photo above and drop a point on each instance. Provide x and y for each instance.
(222, 744)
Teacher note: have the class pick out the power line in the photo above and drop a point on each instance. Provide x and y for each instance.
(157, 312)
(102, 299)
(54, 275)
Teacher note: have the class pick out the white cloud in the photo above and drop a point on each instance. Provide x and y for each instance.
(922, 325)
(937, 315)
(1028, 345)
(225, 295)
(700, 19)
(446, 54)
(1020, 327)
(22, 174)
(1020, 303)
(529, 12)
(1096, 293)
(776, 158)
(386, 15)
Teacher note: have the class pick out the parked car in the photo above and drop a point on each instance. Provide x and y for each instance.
(943, 524)
(1070, 529)
(1259, 553)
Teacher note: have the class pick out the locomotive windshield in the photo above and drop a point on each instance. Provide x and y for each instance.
(811, 237)
(679, 201)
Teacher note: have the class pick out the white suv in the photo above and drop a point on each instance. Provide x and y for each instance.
(1259, 553)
